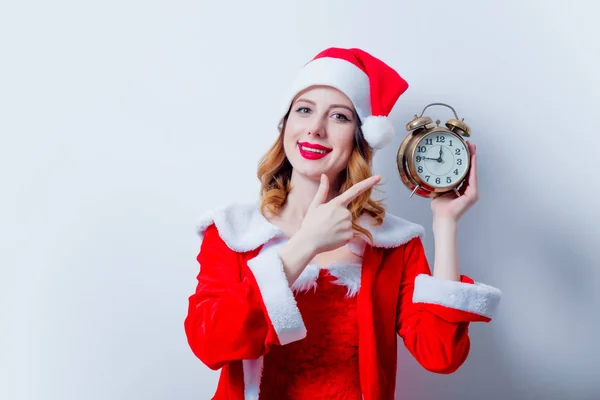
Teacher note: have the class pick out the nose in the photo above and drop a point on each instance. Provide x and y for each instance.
(317, 128)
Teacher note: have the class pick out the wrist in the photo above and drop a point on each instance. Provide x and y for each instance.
(444, 224)
(302, 241)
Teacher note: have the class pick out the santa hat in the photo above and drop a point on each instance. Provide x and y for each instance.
(371, 85)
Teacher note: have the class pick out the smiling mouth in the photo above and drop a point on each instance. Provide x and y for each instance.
(309, 152)
(313, 150)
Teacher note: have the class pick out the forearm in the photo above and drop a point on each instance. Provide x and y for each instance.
(295, 256)
(446, 249)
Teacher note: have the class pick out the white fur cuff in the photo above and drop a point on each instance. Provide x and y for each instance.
(475, 298)
(277, 295)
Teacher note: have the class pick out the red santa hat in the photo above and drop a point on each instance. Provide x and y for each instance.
(371, 85)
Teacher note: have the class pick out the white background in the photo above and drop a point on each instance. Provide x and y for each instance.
(122, 121)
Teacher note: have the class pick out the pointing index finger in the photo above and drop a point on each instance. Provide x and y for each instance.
(356, 190)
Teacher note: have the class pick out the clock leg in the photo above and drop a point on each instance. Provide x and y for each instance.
(414, 191)
(457, 192)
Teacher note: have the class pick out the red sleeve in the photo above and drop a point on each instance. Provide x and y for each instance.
(229, 317)
(434, 314)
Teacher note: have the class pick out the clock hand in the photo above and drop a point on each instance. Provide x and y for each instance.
(439, 159)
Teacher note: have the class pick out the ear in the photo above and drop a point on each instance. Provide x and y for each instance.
(358, 134)
(283, 121)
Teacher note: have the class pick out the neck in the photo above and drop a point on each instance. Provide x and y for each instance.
(302, 193)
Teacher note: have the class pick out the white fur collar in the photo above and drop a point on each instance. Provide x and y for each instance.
(243, 228)
(347, 275)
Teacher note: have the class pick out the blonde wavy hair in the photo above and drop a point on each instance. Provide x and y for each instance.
(275, 172)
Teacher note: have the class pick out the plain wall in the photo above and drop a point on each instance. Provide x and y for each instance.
(122, 121)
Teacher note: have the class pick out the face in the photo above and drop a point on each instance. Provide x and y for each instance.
(319, 133)
(441, 159)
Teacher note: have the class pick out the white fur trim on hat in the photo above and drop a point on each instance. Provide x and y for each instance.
(378, 131)
(337, 73)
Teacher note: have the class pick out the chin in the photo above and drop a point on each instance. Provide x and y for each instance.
(311, 169)
(313, 172)
(307, 171)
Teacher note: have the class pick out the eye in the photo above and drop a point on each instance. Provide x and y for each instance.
(303, 110)
(342, 117)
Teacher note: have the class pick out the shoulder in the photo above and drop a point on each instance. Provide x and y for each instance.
(242, 227)
(394, 232)
(239, 224)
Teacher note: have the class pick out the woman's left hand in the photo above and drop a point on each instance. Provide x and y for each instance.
(451, 207)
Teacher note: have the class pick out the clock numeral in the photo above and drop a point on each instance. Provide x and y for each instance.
(428, 141)
(456, 171)
(450, 142)
(420, 169)
(457, 152)
(440, 139)
(459, 161)
(448, 179)
(419, 158)
(437, 180)
(422, 149)
(427, 177)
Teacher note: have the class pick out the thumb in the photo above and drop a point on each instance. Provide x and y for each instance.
(321, 194)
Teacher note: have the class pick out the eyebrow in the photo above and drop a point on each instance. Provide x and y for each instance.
(332, 106)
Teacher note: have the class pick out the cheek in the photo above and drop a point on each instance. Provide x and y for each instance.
(292, 130)
(345, 142)
(290, 139)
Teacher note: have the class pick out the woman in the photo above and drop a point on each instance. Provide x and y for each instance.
(301, 296)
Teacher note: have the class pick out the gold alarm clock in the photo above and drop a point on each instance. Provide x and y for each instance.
(433, 160)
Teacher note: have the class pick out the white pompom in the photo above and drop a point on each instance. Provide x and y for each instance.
(378, 131)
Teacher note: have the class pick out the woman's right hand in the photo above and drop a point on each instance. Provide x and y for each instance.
(328, 225)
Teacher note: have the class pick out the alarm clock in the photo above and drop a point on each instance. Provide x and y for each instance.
(433, 160)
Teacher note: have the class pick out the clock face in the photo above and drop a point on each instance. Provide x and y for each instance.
(441, 159)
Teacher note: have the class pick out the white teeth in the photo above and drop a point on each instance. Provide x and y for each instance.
(313, 150)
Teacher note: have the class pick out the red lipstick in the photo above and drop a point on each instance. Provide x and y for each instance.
(312, 151)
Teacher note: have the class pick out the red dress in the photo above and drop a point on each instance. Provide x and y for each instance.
(243, 313)
(323, 365)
